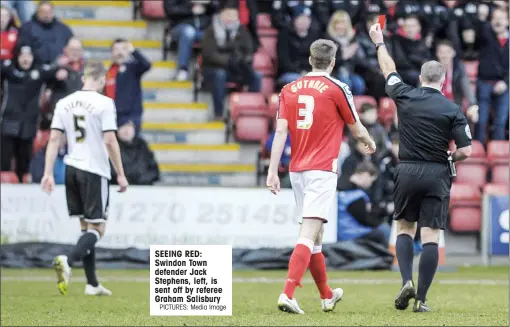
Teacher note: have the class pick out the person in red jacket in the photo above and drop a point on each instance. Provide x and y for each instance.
(8, 33)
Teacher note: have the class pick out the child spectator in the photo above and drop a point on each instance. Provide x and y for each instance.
(228, 57)
(124, 82)
(341, 32)
(357, 218)
(8, 33)
(294, 47)
(39, 160)
(46, 35)
(189, 20)
(368, 116)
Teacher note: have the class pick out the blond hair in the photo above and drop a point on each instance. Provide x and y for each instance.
(338, 16)
(94, 70)
(322, 53)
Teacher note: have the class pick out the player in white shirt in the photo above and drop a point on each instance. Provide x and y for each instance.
(88, 120)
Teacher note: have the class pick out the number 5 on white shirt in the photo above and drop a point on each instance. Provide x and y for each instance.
(306, 112)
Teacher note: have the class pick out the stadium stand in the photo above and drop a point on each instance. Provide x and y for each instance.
(497, 153)
(473, 174)
(8, 177)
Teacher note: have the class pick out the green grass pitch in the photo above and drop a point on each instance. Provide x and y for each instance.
(468, 297)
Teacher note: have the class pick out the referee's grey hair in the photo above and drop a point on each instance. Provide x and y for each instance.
(432, 72)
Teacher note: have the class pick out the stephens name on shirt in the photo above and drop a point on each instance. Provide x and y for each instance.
(309, 84)
(79, 104)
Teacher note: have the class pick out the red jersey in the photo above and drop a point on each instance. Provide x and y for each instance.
(316, 107)
(8, 41)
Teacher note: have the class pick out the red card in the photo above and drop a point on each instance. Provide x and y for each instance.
(382, 21)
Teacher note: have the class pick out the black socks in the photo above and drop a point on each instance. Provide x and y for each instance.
(427, 269)
(85, 244)
(405, 256)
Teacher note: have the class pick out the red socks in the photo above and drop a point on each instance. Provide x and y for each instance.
(318, 271)
(298, 263)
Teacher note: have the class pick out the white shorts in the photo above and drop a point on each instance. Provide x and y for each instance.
(315, 192)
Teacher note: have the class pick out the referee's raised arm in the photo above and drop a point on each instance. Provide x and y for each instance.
(395, 87)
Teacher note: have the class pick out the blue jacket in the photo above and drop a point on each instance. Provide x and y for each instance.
(128, 89)
(46, 40)
(348, 226)
(285, 161)
(37, 167)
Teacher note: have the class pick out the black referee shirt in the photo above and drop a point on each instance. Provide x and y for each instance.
(427, 121)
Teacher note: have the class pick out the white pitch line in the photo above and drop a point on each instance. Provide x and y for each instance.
(264, 280)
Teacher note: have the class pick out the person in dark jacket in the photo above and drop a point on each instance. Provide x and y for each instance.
(45, 34)
(285, 12)
(124, 82)
(248, 11)
(39, 160)
(189, 19)
(228, 57)
(395, 11)
(357, 218)
(355, 10)
(492, 85)
(22, 81)
(72, 62)
(140, 166)
(409, 50)
(293, 47)
(457, 86)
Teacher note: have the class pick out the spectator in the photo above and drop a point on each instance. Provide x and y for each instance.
(189, 20)
(248, 11)
(25, 9)
(388, 165)
(124, 82)
(442, 23)
(457, 86)
(8, 33)
(283, 170)
(367, 64)
(357, 155)
(140, 166)
(228, 56)
(294, 47)
(368, 116)
(341, 32)
(355, 10)
(39, 160)
(45, 34)
(23, 80)
(492, 85)
(285, 12)
(72, 62)
(409, 50)
(395, 11)
(357, 218)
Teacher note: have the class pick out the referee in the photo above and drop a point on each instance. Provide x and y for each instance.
(427, 122)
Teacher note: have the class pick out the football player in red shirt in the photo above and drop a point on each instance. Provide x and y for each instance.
(314, 110)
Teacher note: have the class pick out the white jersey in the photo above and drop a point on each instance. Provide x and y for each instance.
(84, 116)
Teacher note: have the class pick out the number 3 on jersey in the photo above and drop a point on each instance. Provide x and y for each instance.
(307, 112)
(79, 128)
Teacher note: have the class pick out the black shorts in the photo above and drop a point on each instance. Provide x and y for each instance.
(87, 195)
(422, 193)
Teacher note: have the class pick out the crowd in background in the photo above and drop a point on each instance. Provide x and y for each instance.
(38, 51)
(40, 55)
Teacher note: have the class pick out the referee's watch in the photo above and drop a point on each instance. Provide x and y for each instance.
(377, 45)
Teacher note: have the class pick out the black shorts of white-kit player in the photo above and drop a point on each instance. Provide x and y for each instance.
(87, 195)
(427, 122)
(84, 117)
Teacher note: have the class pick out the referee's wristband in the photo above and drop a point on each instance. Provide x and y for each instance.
(378, 45)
